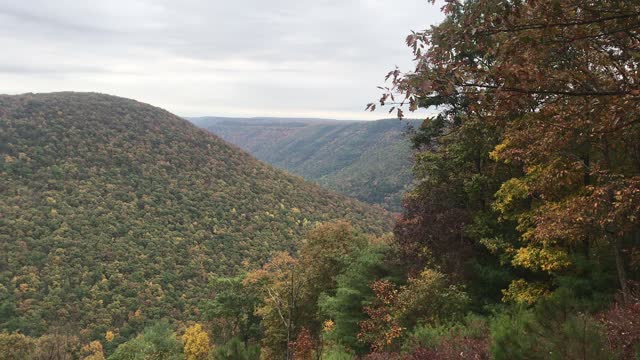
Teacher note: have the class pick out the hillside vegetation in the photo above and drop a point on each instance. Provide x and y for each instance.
(519, 240)
(114, 213)
(368, 160)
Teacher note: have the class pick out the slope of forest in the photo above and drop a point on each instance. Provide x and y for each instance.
(114, 212)
(368, 160)
(519, 240)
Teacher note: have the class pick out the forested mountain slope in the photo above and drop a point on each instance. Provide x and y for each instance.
(114, 213)
(368, 160)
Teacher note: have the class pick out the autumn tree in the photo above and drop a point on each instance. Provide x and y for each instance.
(303, 347)
(556, 83)
(380, 329)
(196, 343)
(57, 346)
(16, 346)
(427, 299)
(280, 284)
(93, 351)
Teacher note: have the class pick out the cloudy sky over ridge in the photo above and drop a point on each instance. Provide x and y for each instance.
(321, 58)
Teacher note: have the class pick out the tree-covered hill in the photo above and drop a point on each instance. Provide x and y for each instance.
(368, 160)
(114, 213)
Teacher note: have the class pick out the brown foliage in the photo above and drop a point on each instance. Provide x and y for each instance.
(58, 347)
(304, 346)
(622, 324)
(455, 347)
(381, 329)
(431, 229)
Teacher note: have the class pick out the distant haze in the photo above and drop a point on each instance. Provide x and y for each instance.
(320, 58)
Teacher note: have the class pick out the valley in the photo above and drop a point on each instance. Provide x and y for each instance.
(368, 160)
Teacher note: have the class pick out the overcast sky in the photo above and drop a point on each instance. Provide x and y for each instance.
(307, 58)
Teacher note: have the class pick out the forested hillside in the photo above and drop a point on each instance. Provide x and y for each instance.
(368, 160)
(519, 240)
(114, 213)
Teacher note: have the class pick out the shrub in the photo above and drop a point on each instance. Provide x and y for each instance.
(235, 349)
(622, 326)
(553, 329)
(156, 342)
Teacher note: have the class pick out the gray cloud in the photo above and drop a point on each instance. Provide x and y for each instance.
(195, 57)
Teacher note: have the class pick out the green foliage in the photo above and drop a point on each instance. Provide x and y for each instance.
(468, 336)
(510, 339)
(337, 353)
(235, 349)
(116, 214)
(232, 310)
(430, 334)
(430, 298)
(553, 329)
(353, 292)
(326, 252)
(367, 160)
(157, 342)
